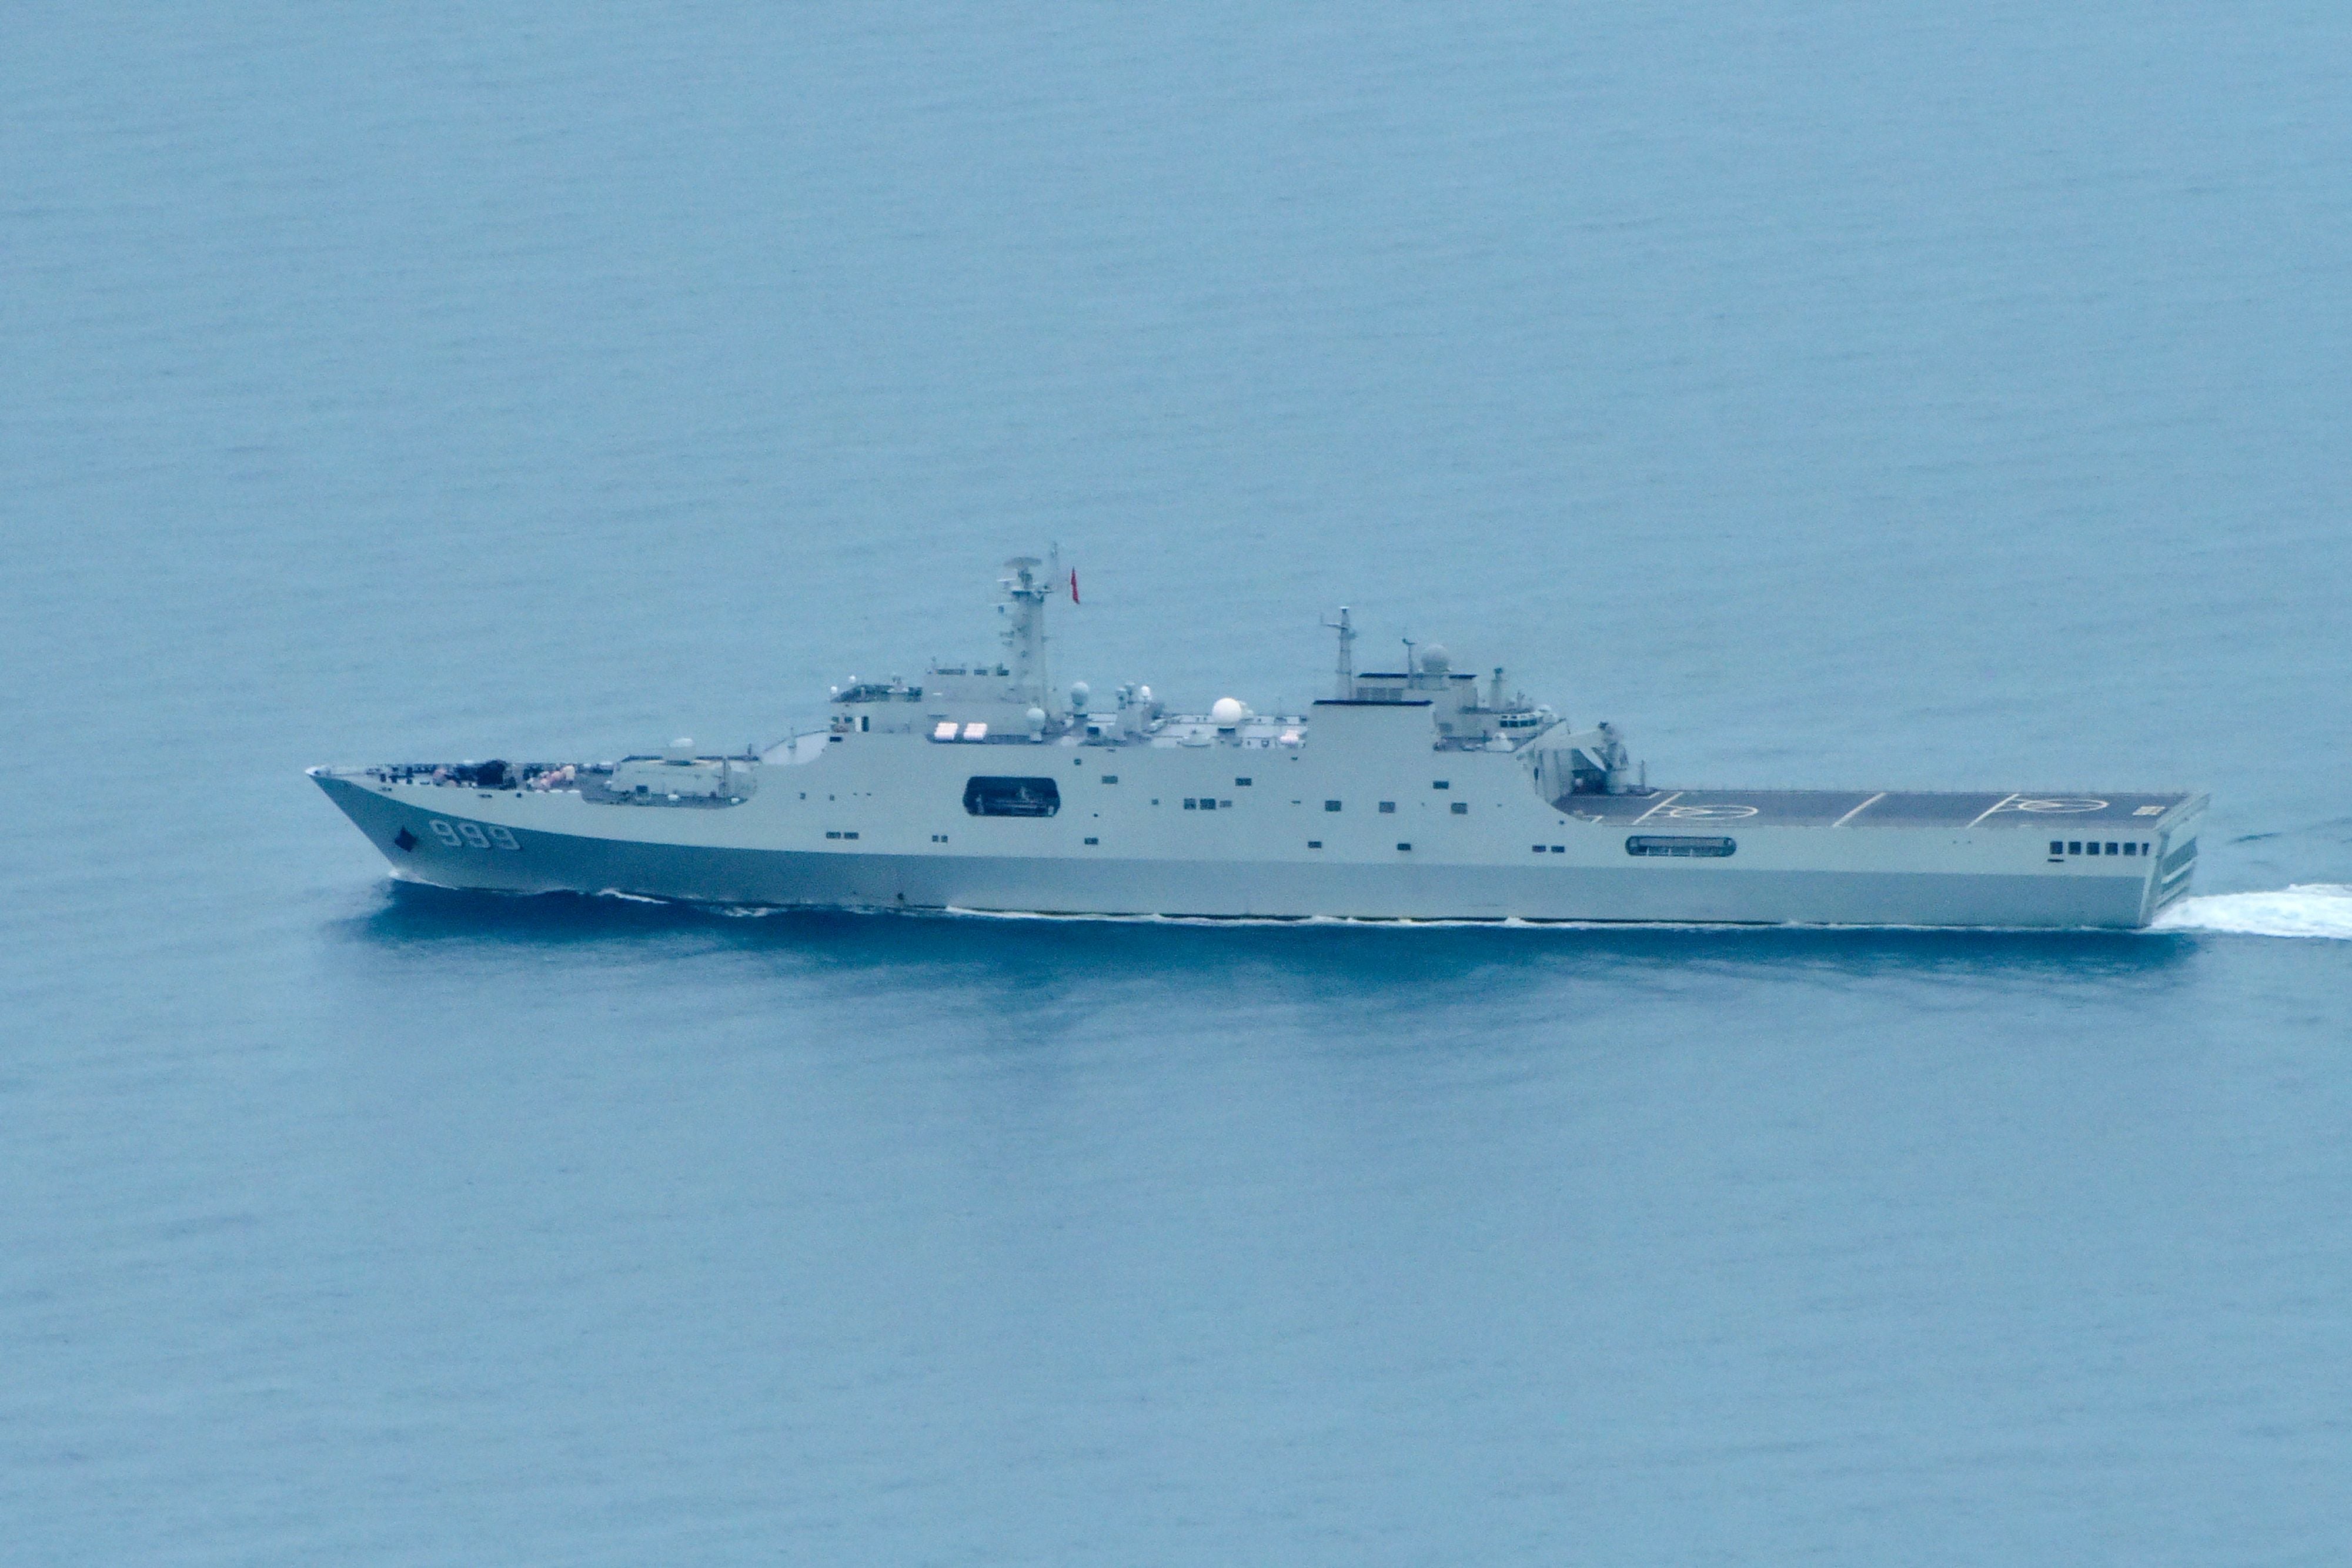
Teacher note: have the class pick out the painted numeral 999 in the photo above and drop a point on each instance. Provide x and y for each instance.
(472, 835)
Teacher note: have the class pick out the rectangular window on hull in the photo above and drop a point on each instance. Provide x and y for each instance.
(987, 797)
(1679, 847)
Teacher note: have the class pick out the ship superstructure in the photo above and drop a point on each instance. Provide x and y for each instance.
(1419, 793)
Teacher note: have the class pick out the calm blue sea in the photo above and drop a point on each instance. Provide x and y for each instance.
(1837, 395)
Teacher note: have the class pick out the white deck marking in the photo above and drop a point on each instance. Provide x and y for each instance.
(1656, 808)
(1858, 810)
(1997, 806)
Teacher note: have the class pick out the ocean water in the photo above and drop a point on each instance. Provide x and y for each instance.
(1826, 394)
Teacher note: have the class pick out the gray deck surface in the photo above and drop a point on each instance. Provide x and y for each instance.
(1696, 810)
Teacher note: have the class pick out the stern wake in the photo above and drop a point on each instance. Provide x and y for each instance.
(2305, 909)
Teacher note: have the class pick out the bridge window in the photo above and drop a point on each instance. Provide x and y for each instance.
(1679, 846)
(2131, 849)
(2111, 849)
(2073, 847)
(987, 797)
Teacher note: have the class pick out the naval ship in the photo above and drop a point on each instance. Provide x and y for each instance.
(1421, 794)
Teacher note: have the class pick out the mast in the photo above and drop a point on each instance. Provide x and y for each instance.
(1347, 653)
(1026, 588)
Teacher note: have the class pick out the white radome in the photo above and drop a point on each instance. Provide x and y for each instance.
(1227, 712)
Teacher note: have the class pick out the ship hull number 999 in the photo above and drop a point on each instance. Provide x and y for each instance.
(474, 835)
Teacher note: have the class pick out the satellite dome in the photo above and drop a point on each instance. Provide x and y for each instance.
(1036, 718)
(1435, 659)
(1229, 711)
(1080, 693)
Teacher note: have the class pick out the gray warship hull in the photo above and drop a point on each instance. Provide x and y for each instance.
(1407, 795)
(1951, 873)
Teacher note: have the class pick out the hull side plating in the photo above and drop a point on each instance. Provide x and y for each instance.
(1565, 890)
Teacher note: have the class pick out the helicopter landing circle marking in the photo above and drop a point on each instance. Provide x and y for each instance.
(1708, 813)
(2065, 805)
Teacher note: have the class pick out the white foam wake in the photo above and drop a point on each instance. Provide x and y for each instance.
(2305, 909)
